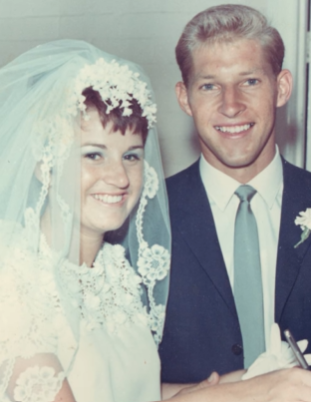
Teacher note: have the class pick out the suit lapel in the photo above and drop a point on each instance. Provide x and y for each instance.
(198, 230)
(290, 258)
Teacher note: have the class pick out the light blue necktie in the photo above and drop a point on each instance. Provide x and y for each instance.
(247, 278)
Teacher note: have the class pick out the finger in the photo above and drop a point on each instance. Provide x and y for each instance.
(213, 378)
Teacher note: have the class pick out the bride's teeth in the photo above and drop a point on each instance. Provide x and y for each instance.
(233, 129)
(108, 199)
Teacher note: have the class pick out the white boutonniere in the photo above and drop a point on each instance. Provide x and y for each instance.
(304, 220)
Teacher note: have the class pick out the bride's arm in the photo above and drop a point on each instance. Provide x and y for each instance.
(39, 378)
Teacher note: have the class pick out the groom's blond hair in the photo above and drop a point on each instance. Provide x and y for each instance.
(227, 23)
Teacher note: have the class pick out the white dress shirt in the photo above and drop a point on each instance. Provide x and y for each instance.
(266, 206)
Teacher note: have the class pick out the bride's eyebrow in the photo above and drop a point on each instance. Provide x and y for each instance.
(102, 146)
(89, 144)
(136, 147)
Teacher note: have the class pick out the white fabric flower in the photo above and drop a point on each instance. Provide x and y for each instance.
(91, 301)
(304, 220)
(154, 263)
(116, 85)
(151, 181)
(278, 356)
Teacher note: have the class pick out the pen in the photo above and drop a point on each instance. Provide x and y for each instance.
(295, 348)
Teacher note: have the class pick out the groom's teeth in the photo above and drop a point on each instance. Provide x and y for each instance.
(108, 199)
(234, 129)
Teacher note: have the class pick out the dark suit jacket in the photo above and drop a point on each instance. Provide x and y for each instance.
(202, 330)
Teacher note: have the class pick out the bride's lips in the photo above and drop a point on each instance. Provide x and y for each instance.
(110, 199)
(234, 131)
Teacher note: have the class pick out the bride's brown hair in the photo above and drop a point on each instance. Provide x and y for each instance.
(136, 121)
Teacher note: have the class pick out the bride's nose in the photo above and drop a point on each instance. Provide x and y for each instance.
(115, 173)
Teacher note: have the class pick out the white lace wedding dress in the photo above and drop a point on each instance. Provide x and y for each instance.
(107, 355)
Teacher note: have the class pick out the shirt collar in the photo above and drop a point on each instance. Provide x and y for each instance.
(221, 187)
(269, 181)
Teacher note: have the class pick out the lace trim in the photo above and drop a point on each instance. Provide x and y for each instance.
(153, 262)
(107, 294)
(38, 384)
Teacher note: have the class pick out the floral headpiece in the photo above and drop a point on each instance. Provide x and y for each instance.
(116, 84)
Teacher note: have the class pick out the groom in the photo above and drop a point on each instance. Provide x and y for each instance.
(235, 270)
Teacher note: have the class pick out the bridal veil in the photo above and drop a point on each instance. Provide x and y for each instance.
(41, 105)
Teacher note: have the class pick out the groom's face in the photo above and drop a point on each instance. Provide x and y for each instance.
(232, 96)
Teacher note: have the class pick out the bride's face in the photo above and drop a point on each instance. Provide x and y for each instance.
(111, 175)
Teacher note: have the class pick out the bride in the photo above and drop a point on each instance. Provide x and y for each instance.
(84, 229)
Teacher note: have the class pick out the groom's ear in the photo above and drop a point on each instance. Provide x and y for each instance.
(182, 97)
(284, 84)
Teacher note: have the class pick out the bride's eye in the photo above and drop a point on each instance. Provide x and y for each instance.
(93, 156)
(134, 156)
(92, 153)
(131, 157)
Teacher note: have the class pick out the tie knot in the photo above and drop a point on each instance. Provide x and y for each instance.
(245, 192)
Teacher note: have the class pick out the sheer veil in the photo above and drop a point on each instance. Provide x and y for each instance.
(40, 110)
